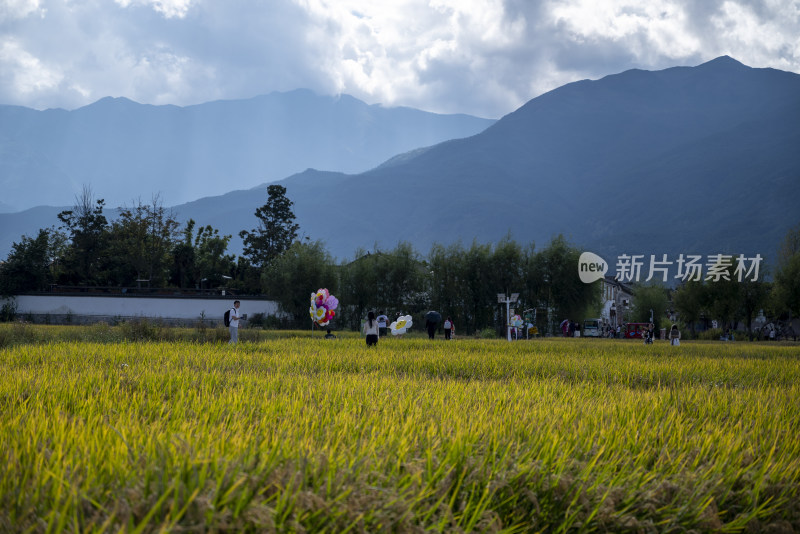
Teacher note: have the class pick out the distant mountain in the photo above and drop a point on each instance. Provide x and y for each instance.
(689, 159)
(694, 160)
(126, 150)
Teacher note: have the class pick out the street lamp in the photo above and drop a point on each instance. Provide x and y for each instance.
(502, 298)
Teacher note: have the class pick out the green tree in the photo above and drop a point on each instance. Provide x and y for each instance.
(447, 291)
(724, 297)
(690, 301)
(553, 273)
(298, 272)
(87, 230)
(29, 264)
(753, 296)
(276, 229)
(650, 297)
(786, 289)
(199, 259)
(141, 243)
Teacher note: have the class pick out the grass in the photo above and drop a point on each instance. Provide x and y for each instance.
(291, 433)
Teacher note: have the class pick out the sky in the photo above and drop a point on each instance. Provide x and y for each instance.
(481, 57)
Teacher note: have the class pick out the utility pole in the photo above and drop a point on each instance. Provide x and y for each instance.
(502, 298)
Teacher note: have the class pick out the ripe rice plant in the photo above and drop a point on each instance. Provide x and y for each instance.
(303, 434)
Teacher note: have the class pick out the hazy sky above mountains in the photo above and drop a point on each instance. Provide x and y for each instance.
(482, 57)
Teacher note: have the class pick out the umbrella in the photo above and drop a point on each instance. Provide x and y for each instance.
(565, 321)
(433, 316)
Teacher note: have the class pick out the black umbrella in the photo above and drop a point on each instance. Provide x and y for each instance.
(433, 316)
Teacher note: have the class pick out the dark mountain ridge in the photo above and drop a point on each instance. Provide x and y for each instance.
(693, 160)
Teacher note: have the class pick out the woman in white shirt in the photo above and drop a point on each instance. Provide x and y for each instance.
(371, 329)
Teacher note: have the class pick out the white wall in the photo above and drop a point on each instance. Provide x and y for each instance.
(85, 308)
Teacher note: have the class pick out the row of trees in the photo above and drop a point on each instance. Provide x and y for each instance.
(729, 301)
(733, 301)
(461, 282)
(145, 245)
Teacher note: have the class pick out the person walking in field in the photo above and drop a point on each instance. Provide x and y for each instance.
(383, 322)
(233, 326)
(371, 329)
(448, 328)
(674, 336)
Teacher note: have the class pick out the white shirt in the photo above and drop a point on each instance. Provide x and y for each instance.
(374, 330)
(234, 317)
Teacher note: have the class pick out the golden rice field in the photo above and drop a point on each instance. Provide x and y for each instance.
(288, 433)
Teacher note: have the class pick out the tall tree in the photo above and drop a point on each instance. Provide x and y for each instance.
(292, 277)
(786, 289)
(199, 259)
(560, 290)
(690, 301)
(87, 229)
(141, 244)
(650, 297)
(29, 264)
(276, 229)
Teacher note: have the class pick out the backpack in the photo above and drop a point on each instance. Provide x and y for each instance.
(447, 325)
(227, 318)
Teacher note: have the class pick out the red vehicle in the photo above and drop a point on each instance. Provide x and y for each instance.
(635, 330)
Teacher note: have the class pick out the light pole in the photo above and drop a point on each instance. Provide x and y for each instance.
(502, 298)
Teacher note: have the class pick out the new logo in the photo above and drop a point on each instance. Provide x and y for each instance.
(591, 267)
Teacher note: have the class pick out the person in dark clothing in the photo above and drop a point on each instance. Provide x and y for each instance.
(431, 327)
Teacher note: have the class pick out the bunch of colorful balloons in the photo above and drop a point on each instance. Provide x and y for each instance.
(516, 321)
(401, 325)
(322, 306)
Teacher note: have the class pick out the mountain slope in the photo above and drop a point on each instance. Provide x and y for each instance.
(689, 159)
(693, 160)
(125, 150)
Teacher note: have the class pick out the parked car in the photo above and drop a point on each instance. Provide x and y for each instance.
(592, 327)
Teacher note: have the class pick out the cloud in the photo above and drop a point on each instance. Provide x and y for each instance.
(17, 9)
(168, 8)
(484, 57)
(23, 73)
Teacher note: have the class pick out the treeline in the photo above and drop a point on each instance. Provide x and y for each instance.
(730, 301)
(146, 246)
(458, 281)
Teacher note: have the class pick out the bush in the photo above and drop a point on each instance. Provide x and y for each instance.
(487, 333)
(141, 330)
(8, 311)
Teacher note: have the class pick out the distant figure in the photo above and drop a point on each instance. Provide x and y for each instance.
(233, 326)
(382, 323)
(619, 331)
(565, 327)
(371, 329)
(329, 335)
(674, 336)
(431, 327)
(448, 328)
(648, 334)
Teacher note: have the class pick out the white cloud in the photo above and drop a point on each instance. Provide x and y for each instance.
(742, 33)
(23, 72)
(168, 8)
(484, 57)
(652, 28)
(17, 9)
